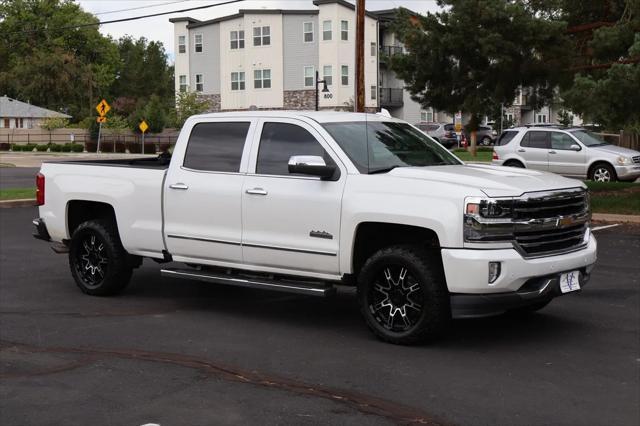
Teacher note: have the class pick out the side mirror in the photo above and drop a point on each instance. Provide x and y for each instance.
(575, 147)
(311, 165)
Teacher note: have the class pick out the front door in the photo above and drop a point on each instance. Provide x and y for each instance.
(291, 221)
(564, 160)
(534, 148)
(203, 196)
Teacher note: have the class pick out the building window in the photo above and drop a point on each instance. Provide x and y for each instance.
(198, 43)
(374, 49)
(541, 118)
(326, 30)
(309, 76)
(344, 30)
(262, 79)
(237, 39)
(182, 44)
(327, 74)
(261, 36)
(307, 31)
(374, 92)
(183, 83)
(199, 83)
(345, 75)
(426, 116)
(509, 117)
(237, 81)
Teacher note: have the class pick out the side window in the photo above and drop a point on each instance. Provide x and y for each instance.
(506, 137)
(561, 141)
(279, 141)
(536, 139)
(216, 147)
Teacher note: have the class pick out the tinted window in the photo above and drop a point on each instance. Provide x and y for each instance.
(589, 138)
(506, 137)
(536, 139)
(279, 141)
(561, 141)
(216, 147)
(449, 127)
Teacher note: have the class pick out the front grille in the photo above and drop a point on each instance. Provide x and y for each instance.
(550, 205)
(551, 240)
(550, 222)
(636, 159)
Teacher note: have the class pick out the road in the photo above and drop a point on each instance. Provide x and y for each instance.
(177, 352)
(18, 177)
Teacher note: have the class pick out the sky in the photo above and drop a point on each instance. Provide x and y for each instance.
(160, 29)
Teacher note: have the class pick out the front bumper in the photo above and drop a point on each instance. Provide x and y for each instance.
(628, 172)
(467, 272)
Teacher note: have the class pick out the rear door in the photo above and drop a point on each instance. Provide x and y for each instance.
(534, 149)
(203, 195)
(291, 221)
(564, 160)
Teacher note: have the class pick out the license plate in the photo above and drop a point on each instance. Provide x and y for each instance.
(570, 281)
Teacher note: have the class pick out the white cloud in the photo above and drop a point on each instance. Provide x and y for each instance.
(160, 29)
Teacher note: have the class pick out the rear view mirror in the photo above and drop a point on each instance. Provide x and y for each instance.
(575, 147)
(311, 165)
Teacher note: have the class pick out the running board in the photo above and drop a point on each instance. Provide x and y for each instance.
(298, 287)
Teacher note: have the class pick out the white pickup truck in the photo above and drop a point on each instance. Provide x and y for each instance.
(304, 201)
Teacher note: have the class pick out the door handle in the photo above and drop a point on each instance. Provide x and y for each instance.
(179, 185)
(256, 191)
(552, 152)
(522, 150)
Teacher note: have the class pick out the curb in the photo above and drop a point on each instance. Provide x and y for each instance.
(621, 218)
(25, 202)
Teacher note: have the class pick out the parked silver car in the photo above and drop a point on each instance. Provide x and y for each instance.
(441, 132)
(574, 152)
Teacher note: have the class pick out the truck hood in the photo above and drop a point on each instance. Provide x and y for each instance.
(616, 150)
(494, 181)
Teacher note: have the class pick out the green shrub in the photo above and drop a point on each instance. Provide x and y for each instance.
(75, 147)
(4, 146)
(42, 148)
(66, 147)
(56, 148)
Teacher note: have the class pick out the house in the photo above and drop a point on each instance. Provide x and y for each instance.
(268, 58)
(15, 114)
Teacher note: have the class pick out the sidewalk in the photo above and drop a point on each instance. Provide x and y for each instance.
(35, 159)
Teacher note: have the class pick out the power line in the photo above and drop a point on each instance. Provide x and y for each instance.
(134, 18)
(141, 7)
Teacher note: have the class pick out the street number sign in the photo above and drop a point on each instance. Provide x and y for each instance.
(143, 126)
(103, 108)
(101, 119)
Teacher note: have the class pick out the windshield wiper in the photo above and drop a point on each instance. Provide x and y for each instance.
(383, 170)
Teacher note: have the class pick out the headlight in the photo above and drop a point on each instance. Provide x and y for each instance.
(488, 221)
(624, 161)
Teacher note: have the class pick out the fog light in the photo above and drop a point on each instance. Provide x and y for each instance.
(494, 271)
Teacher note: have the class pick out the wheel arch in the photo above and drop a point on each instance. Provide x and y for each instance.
(596, 163)
(79, 211)
(371, 236)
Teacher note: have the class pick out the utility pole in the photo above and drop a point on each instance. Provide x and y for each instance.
(359, 80)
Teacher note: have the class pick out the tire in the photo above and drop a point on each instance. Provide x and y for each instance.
(526, 310)
(407, 276)
(514, 163)
(99, 264)
(486, 141)
(602, 172)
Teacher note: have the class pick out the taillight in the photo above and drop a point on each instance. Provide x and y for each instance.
(40, 189)
(495, 156)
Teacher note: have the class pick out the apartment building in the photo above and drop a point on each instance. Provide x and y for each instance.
(267, 58)
(521, 112)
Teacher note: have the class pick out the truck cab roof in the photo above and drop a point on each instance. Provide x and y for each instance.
(318, 116)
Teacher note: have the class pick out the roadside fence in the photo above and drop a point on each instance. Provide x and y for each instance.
(623, 139)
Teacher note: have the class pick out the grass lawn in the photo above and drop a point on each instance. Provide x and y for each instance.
(17, 193)
(466, 156)
(615, 197)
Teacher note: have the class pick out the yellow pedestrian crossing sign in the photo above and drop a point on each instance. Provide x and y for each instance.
(103, 108)
(143, 126)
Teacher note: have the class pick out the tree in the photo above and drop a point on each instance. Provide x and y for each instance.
(53, 123)
(154, 113)
(188, 104)
(474, 55)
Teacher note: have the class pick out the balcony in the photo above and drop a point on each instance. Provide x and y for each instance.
(391, 98)
(387, 51)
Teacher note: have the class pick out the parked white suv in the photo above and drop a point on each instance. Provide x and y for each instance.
(574, 152)
(302, 201)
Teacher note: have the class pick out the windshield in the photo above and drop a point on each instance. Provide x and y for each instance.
(379, 146)
(589, 138)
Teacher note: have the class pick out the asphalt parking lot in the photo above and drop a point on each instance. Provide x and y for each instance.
(176, 352)
(18, 177)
